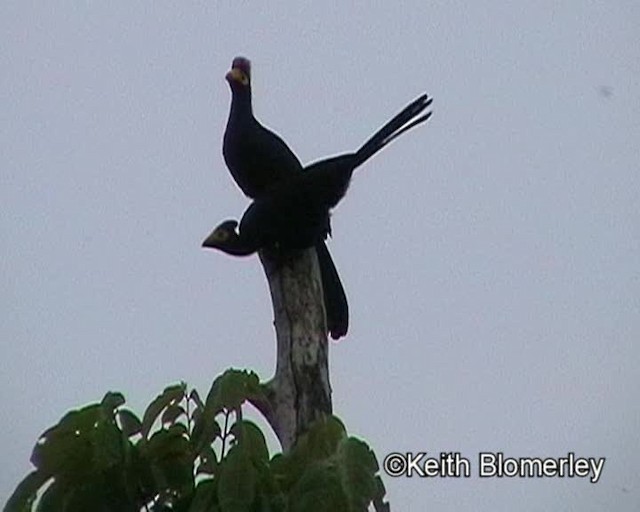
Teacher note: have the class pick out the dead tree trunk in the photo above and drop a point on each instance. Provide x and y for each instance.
(300, 391)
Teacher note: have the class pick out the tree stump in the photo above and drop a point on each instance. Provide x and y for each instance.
(300, 392)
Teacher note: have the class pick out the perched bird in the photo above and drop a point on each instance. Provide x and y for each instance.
(259, 160)
(295, 214)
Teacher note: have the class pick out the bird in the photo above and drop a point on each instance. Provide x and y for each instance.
(259, 160)
(295, 213)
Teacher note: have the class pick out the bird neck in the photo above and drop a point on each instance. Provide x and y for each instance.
(241, 104)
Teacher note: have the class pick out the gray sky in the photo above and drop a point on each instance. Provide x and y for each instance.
(490, 257)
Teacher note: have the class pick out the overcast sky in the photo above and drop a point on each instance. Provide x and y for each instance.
(491, 257)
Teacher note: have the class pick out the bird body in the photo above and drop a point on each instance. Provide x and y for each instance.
(257, 158)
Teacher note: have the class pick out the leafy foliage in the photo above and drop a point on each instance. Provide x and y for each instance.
(187, 455)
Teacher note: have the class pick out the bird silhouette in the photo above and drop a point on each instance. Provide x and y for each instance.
(294, 213)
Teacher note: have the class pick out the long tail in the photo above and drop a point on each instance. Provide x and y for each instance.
(335, 299)
(402, 122)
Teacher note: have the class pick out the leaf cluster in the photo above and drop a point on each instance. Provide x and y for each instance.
(189, 455)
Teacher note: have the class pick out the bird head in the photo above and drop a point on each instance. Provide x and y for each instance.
(240, 73)
(221, 235)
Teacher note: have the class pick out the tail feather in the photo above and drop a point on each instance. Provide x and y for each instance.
(327, 181)
(403, 121)
(335, 299)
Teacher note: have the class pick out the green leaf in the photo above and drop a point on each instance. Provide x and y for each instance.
(358, 467)
(94, 492)
(54, 498)
(208, 461)
(252, 440)
(324, 436)
(231, 389)
(107, 446)
(227, 392)
(318, 444)
(169, 455)
(321, 440)
(237, 482)
(112, 400)
(67, 447)
(196, 413)
(205, 498)
(319, 490)
(26, 492)
(378, 501)
(328, 471)
(170, 395)
(131, 425)
(180, 428)
(172, 413)
(168, 442)
(139, 478)
(195, 398)
(205, 430)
